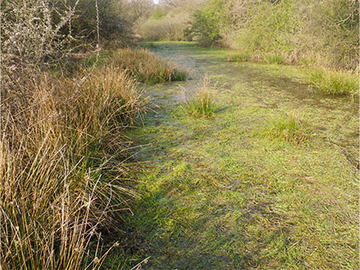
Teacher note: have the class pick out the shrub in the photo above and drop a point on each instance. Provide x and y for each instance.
(158, 14)
(207, 24)
(62, 163)
(200, 104)
(147, 67)
(266, 28)
(335, 82)
(28, 40)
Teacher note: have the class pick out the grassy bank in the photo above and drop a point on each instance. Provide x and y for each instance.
(65, 162)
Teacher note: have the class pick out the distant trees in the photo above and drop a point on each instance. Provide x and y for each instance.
(207, 23)
(326, 32)
(185, 4)
(137, 9)
(168, 20)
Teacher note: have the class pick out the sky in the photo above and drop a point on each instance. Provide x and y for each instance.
(156, 1)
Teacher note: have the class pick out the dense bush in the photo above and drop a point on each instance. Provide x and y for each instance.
(114, 25)
(325, 32)
(38, 32)
(32, 34)
(207, 23)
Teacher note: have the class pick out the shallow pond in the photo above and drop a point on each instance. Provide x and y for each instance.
(219, 194)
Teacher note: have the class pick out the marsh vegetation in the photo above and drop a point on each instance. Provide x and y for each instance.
(229, 141)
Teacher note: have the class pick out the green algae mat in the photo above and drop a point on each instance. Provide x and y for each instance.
(240, 190)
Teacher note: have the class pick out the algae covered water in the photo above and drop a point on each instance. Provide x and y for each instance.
(269, 182)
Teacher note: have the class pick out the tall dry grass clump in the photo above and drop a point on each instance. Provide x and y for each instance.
(147, 67)
(61, 166)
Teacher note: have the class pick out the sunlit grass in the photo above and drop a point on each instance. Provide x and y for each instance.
(149, 46)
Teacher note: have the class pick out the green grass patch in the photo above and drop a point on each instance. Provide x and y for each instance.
(238, 57)
(288, 128)
(200, 103)
(335, 82)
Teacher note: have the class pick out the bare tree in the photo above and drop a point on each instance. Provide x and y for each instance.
(31, 30)
(187, 4)
(139, 9)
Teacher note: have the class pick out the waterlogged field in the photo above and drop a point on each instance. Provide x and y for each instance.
(268, 181)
